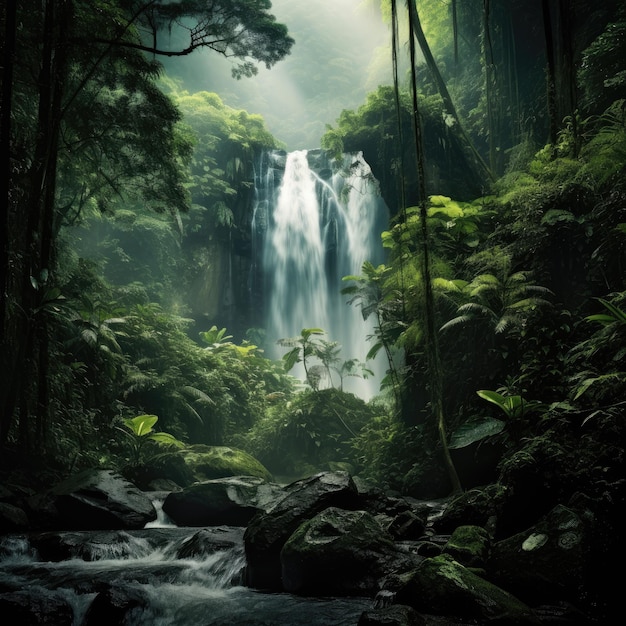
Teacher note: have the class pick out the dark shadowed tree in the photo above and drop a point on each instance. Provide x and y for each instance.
(83, 120)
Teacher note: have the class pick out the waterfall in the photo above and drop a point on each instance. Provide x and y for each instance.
(315, 221)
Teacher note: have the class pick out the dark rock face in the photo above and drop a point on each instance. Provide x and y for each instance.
(546, 561)
(268, 532)
(469, 545)
(479, 507)
(232, 501)
(115, 605)
(338, 552)
(206, 542)
(30, 608)
(12, 518)
(442, 586)
(394, 615)
(101, 499)
(54, 547)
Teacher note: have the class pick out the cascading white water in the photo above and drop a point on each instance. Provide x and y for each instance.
(314, 222)
(155, 578)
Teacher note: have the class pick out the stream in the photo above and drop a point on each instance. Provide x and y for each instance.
(175, 578)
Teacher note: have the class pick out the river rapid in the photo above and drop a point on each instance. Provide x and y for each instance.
(177, 581)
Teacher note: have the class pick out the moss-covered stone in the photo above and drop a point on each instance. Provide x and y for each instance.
(469, 545)
(210, 462)
(336, 552)
(442, 586)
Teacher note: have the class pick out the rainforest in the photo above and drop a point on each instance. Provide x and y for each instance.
(312, 312)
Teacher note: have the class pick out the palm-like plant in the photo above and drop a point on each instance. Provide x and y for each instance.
(603, 354)
(369, 291)
(303, 348)
(502, 300)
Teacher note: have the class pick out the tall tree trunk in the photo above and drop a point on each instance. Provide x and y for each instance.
(24, 375)
(551, 72)
(567, 74)
(490, 85)
(6, 339)
(432, 343)
(8, 55)
(418, 34)
(455, 32)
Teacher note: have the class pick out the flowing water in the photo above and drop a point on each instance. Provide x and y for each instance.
(316, 221)
(174, 585)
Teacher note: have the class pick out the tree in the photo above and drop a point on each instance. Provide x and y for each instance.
(243, 29)
(417, 32)
(431, 341)
(102, 129)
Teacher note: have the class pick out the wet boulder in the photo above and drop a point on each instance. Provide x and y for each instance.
(30, 607)
(55, 546)
(209, 541)
(442, 586)
(230, 501)
(100, 499)
(546, 561)
(12, 518)
(268, 531)
(469, 545)
(394, 615)
(338, 552)
(480, 506)
(116, 605)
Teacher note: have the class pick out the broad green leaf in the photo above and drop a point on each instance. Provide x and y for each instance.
(166, 439)
(142, 424)
(475, 430)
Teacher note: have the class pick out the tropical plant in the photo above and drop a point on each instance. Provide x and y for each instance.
(515, 408)
(312, 432)
(502, 300)
(302, 349)
(603, 355)
(140, 434)
(369, 291)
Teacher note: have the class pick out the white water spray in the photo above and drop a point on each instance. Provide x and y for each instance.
(314, 222)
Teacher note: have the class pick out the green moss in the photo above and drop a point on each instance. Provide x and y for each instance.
(208, 462)
(469, 545)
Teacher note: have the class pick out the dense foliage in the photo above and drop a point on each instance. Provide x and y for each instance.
(129, 201)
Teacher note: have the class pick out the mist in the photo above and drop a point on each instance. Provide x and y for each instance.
(340, 54)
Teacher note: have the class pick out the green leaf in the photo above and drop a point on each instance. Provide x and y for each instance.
(492, 396)
(142, 424)
(307, 332)
(291, 358)
(166, 439)
(475, 430)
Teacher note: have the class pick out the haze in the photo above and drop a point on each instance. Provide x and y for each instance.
(339, 56)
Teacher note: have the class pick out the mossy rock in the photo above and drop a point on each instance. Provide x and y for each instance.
(469, 545)
(210, 462)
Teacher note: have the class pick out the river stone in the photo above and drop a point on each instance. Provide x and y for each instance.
(442, 586)
(231, 501)
(546, 561)
(394, 615)
(268, 531)
(209, 541)
(116, 605)
(29, 607)
(469, 545)
(210, 462)
(12, 518)
(337, 552)
(101, 499)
